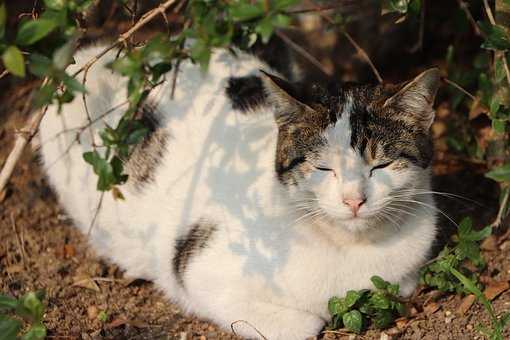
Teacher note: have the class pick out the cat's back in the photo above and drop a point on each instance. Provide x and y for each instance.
(203, 156)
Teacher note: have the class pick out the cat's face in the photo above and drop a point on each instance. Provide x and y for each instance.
(354, 154)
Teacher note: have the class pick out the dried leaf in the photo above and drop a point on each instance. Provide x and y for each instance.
(494, 289)
(120, 321)
(466, 304)
(86, 282)
(431, 308)
(69, 251)
(489, 244)
(401, 323)
(476, 109)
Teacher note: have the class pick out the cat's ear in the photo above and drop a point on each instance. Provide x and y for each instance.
(283, 97)
(416, 99)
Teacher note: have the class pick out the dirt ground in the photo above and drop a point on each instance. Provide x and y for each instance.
(88, 298)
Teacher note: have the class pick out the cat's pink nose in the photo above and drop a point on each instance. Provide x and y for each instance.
(354, 203)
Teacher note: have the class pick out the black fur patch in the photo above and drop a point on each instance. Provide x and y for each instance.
(189, 246)
(146, 156)
(245, 93)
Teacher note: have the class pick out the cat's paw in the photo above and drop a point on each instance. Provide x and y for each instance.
(298, 325)
(407, 286)
(286, 324)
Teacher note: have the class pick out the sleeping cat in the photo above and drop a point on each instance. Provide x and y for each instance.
(253, 198)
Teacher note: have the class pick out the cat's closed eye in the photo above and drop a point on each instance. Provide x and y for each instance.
(380, 166)
(323, 168)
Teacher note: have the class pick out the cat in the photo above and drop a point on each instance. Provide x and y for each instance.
(255, 198)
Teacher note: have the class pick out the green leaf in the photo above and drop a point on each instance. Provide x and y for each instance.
(45, 95)
(246, 11)
(265, 29)
(55, 4)
(281, 5)
(378, 282)
(32, 31)
(465, 226)
(498, 125)
(137, 136)
(399, 6)
(281, 20)
(72, 84)
(351, 297)
(40, 65)
(63, 56)
(7, 302)
(34, 305)
(36, 332)
(500, 173)
(14, 61)
(383, 318)
(337, 306)
(379, 300)
(9, 328)
(393, 289)
(497, 38)
(353, 321)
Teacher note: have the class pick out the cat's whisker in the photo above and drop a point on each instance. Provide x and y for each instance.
(432, 208)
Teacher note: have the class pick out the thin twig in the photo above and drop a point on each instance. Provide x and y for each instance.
(147, 17)
(358, 48)
(465, 7)
(502, 208)
(489, 12)
(89, 119)
(4, 73)
(23, 137)
(174, 79)
(20, 241)
(419, 44)
(364, 55)
(249, 324)
(303, 52)
(458, 87)
(96, 213)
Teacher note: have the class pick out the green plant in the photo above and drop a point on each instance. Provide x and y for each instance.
(495, 332)
(380, 307)
(448, 273)
(28, 308)
(465, 249)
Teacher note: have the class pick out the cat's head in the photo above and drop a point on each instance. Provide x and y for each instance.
(349, 153)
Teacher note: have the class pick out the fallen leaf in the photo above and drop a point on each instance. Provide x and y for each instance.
(401, 323)
(86, 282)
(431, 308)
(116, 323)
(69, 251)
(490, 243)
(3, 195)
(466, 303)
(121, 321)
(494, 289)
(476, 109)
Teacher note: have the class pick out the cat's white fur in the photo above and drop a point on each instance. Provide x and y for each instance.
(264, 264)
